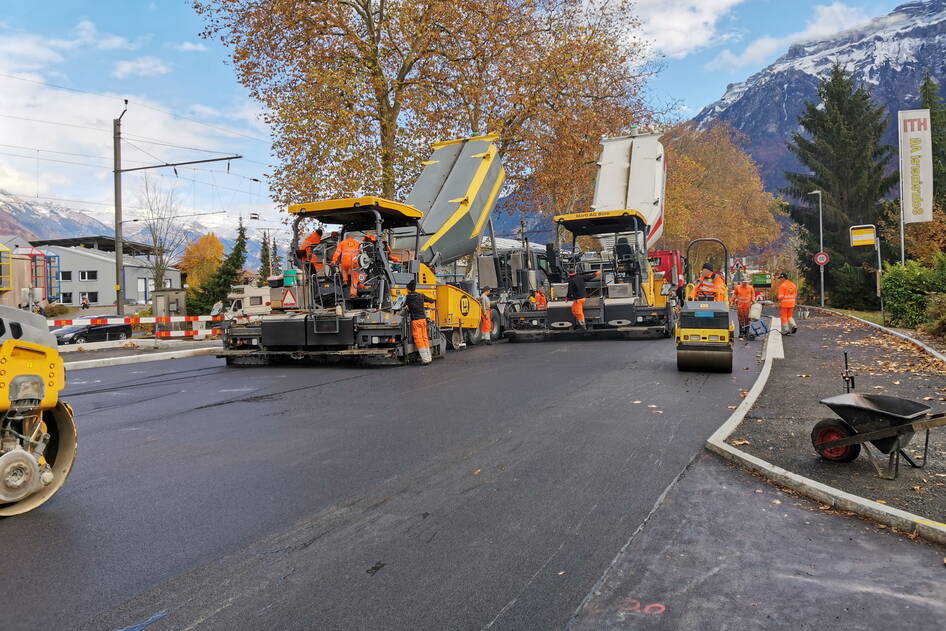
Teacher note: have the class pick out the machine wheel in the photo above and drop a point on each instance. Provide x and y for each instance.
(702, 360)
(60, 453)
(474, 336)
(497, 324)
(122, 336)
(455, 339)
(833, 429)
(671, 327)
(248, 360)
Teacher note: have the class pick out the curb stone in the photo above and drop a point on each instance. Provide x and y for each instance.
(834, 497)
(138, 359)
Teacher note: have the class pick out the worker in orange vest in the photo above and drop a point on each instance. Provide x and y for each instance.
(414, 304)
(310, 245)
(743, 296)
(710, 285)
(541, 301)
(486, 319)
(346, 254)
(787, 295)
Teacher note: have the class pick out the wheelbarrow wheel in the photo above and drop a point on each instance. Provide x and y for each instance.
(830, 429)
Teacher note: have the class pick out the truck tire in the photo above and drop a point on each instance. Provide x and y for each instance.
(474, 336)
(497, 330)
(454, 338)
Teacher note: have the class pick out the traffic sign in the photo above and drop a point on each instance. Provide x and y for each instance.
(821, 258)
(863, 235)
(289, 299)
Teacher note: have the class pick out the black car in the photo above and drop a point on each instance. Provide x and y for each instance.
(82, 333)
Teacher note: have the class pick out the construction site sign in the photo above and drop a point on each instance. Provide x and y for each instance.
(289, 299)
(916, 166)
(863, 235)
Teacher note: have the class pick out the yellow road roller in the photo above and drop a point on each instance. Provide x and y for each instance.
(704, 333)
(37, 430)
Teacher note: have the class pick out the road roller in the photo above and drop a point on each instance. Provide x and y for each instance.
(704, 333)
(37, 430)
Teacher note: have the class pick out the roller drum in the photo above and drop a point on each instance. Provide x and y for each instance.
(704, 360)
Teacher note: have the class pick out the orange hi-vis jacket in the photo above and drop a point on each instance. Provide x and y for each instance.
(712, 287)
(787, 293)
(541, 302)
(742, 296)
(347, 251)
(309, 245)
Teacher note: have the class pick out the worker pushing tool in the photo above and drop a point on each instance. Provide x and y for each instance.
(578, 293)
(787, 296)
(414, 303)
(346, 256)
(743, 296)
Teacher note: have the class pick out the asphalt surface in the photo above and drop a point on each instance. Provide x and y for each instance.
(489, 491)
(728, 551)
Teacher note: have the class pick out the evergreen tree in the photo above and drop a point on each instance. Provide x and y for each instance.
(841, 147)
(274, 256)
(931, 100)
(216, 288)
(265, 261)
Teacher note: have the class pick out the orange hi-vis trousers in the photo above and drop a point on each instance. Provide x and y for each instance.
(419, 333)
(486, 322)
(786, 314)
(578, 309)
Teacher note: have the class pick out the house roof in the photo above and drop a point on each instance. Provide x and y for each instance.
(99, 242)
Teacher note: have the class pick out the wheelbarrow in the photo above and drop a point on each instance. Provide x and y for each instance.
(887, 423)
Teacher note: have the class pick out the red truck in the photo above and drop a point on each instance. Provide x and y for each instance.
(670, 262)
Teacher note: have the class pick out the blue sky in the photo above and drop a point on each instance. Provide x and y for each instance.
(182, 91)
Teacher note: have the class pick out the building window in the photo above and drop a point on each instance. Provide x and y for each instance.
(90, 274)
(65, 275)
(66, 298)
(93, 296)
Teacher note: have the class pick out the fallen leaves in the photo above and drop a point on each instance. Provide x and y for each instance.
(636, 402)
(731, 407)
(881, 501)
(477, 472)
(804, 376)
(739, 443)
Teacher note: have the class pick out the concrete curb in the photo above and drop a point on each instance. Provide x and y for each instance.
(147, 343)
(932, 351)
(836, 498)
(138, 359)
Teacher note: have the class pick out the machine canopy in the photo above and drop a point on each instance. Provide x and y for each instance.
(358, 213)
(602, 222)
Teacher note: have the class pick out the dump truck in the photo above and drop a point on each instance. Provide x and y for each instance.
(316, 316)
(626, 220)
(37, 430)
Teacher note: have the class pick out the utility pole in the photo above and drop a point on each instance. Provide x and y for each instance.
(118, 170)
(820, 239)
(119, 254)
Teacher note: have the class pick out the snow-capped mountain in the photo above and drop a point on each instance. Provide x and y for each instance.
(889, 55)
(35, 220)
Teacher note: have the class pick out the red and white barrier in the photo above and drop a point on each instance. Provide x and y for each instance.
(153, 320)
(188, 333)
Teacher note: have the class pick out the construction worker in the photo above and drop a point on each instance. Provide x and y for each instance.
(787, 295)
(743, 296)
(486, 320)
(310, 245)
(541, 302)
(346, 256)
(414, 303)
(710, 285)
(577, 293)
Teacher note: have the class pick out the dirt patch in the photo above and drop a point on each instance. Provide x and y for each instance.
(778, 428)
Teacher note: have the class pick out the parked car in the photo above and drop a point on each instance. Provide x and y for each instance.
(82, 333)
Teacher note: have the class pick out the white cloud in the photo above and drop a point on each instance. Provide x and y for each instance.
(190, 47)
(141, 67)
(680, 27)
(827, 20)
(87, 34)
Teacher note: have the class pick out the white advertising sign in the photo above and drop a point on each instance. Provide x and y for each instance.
(916, 166)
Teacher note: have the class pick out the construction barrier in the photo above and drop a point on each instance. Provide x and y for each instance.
(154, 320)
(188, 333)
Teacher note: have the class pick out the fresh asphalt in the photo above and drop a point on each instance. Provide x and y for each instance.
(491, 490)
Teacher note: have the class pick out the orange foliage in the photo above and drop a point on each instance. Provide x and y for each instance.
(200, 260)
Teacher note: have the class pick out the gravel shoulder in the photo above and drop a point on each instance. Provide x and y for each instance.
(778, 428)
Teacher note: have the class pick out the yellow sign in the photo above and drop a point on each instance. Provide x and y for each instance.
(863, 235)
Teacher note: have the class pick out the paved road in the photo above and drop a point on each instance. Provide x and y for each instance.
(490, 491)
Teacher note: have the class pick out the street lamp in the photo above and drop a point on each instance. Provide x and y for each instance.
(820, 240)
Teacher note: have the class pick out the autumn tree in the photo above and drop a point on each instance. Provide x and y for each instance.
(201, 259)
(714, 190)
(229, 273)
(358, 90)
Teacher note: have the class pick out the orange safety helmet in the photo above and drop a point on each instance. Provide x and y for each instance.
(371, 237)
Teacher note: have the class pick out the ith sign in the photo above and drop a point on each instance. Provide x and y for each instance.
(916, 166)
